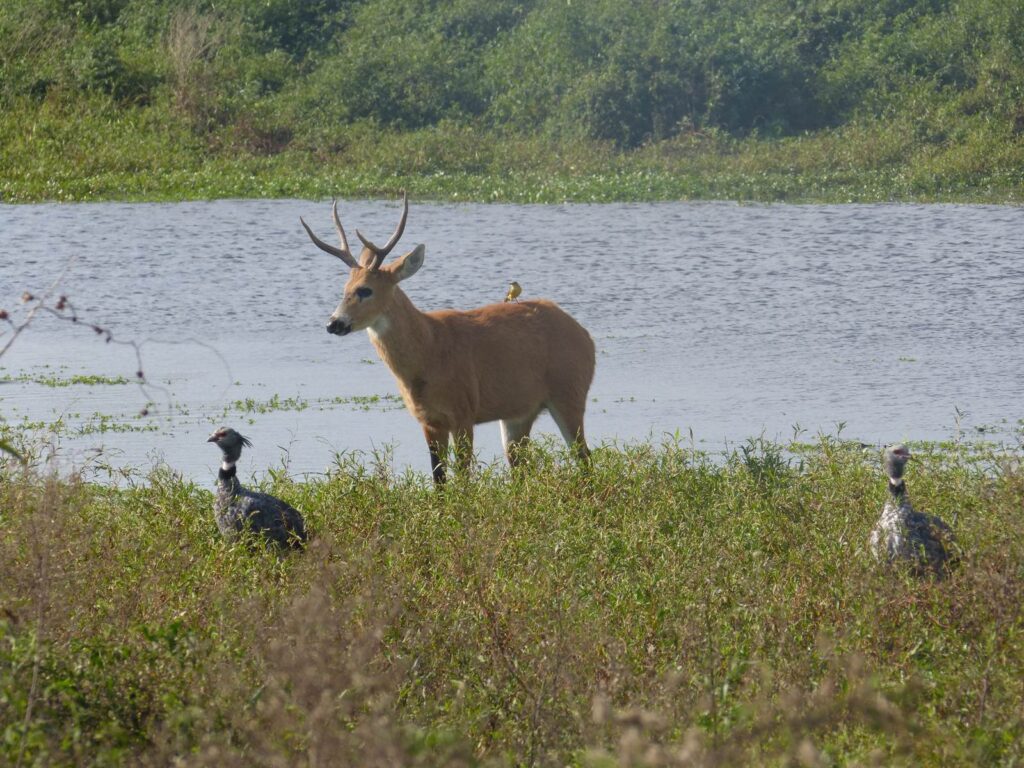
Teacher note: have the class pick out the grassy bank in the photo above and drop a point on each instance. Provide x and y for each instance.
(662, 609)
(515, 100)
(93, 151)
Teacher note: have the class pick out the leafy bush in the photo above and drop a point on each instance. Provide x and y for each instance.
(258, 78)
(660, 608)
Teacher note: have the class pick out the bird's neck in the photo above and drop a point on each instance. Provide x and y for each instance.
(227, 476)
(898, 489)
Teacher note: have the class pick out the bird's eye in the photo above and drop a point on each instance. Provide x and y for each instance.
(364, 292)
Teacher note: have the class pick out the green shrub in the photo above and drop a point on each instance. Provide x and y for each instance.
(660, 607)
(536, 92)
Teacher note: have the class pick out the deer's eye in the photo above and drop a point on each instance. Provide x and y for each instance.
(364, 293)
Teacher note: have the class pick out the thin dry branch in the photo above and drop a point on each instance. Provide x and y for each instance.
(62, 309)
(57, 305)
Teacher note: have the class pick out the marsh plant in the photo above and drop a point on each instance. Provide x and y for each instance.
(658, 608)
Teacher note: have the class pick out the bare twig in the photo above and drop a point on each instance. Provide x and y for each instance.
(63, 309)
(40, 302)
(58, 306)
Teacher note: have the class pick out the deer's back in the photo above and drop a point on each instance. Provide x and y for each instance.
(519, 352)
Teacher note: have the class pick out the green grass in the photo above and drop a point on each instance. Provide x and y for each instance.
(90, 151)
(661, 608)
(516, 100)
(275, 403)
(56, 382)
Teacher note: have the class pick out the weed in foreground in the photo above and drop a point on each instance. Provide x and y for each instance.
(660, 608)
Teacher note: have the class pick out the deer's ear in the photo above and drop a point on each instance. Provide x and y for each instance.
(408, 264)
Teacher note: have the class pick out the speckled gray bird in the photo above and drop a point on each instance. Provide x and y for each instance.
(923, 542)
(237, 508)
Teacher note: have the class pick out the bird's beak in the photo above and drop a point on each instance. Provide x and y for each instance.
(211, 439)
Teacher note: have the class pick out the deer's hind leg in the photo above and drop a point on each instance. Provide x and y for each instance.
(569, 418)
(515, 435)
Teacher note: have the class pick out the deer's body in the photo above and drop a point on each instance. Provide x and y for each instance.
(455, 369)
(504, 362)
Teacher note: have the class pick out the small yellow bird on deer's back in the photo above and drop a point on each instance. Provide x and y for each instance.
(514, 289)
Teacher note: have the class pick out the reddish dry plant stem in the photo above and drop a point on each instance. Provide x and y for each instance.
(64, 310)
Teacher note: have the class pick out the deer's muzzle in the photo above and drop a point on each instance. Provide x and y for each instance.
(339, 327)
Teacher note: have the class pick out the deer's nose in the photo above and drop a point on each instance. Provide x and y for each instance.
(339, 327)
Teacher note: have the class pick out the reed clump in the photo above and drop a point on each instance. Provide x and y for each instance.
(659, 608)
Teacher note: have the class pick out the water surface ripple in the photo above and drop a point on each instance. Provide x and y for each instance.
(730, 320)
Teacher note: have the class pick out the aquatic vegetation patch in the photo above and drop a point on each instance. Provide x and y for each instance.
(56, 381)
(274, 403)
(103, 423)
(77, 425)
(385, 402)
(250, 405)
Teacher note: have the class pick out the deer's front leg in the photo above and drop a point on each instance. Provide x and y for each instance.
(437, 442)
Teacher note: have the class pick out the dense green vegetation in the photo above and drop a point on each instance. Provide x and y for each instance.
(512, 99)
(660, 609)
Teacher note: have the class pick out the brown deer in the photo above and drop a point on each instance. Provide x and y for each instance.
(456, 368)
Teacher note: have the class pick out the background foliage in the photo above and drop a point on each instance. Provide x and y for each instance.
(338, 79)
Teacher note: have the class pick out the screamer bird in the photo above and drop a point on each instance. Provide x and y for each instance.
(238, 509)
(903, 535)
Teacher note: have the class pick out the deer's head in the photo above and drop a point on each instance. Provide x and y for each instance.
(370, 286)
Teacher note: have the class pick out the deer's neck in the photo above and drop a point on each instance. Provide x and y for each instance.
(403, 337)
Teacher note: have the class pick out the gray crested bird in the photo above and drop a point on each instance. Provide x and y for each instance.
(237, 508)
(903, 535)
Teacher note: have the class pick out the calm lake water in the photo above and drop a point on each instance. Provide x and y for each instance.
(727, 320)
